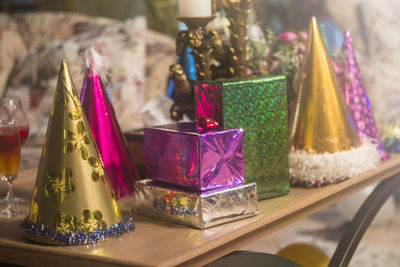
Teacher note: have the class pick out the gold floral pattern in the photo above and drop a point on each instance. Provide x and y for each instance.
(98, 169)
(115, 204)
(77, 140)
(66, 224)
(59, 184)
(44, 147)
(75, 114)
(60, 96)
(33, 216)
(92, 221)
(52, 109)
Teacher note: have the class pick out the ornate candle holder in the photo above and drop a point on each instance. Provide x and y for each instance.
(207, 47)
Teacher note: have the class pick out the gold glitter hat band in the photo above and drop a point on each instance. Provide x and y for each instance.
(72, 194)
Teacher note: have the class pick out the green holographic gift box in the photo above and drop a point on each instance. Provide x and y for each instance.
(257, 105)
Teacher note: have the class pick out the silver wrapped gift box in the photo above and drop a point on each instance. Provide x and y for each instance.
(199, 210)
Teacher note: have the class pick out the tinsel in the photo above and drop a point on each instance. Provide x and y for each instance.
(73, 239)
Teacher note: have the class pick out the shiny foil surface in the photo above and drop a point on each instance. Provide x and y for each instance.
(72, 196)
(319, 118)
(259, 107)
(356, 96)
(108, 136)
(208, 101)
(188, 156)
(198, 210)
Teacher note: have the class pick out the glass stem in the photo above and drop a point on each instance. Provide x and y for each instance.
(10, 195)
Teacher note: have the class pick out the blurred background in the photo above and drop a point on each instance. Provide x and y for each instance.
(373, 26)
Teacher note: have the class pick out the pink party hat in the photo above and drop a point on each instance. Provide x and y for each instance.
(356, 96)
(106, 131)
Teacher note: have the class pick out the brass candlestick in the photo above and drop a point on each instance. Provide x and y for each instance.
(208, 47)
(237, 12)
(199, 39)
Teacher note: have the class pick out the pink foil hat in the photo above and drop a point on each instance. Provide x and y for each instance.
(107, 134)
(356, 96)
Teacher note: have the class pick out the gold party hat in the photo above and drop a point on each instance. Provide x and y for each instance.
(322, 132)
(72, 202)
(320, 121)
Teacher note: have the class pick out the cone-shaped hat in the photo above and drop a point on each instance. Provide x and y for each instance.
(321, 121)
(326, 147)
(356, 96)
(106, 131)
(73, 202)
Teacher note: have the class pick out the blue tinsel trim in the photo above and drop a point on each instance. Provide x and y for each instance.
(74, 239)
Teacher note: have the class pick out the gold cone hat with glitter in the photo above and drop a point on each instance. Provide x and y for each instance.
(326, 147)
(72, 201)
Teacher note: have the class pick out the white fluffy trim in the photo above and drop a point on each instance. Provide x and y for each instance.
(127, 204)
(95, 62)
(315, 170)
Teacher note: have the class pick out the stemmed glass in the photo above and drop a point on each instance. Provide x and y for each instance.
(10, 155)
(17, 112)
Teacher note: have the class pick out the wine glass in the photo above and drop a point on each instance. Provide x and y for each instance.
(10, 156)
(18, 114)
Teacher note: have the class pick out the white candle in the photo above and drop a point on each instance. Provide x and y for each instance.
(194, 8)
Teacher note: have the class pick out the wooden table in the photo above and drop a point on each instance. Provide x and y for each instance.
(157, 243)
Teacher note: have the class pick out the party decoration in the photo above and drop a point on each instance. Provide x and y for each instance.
(356, 96)
(192, 157)
(325, 145)
(390, 134)
(106, 131)
(199, 210)
(207, 123)
(259, 107)
(73, 202)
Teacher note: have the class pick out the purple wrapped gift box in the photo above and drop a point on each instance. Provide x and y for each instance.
(187, 156)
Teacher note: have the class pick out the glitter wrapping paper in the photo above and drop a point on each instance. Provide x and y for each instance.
(197, 159)
(259, 107)
(107, 134)
(356, 96)
(198, 210)
(209, 101)
(72, 196)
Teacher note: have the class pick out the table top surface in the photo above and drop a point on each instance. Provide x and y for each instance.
(157, 243)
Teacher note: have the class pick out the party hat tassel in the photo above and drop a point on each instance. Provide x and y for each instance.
(356, 96)
(72, 201)
(106, 131)
(325, 146)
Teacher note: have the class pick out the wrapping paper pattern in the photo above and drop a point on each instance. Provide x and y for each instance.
(198, 210)
(197, 159)
(259, 107)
